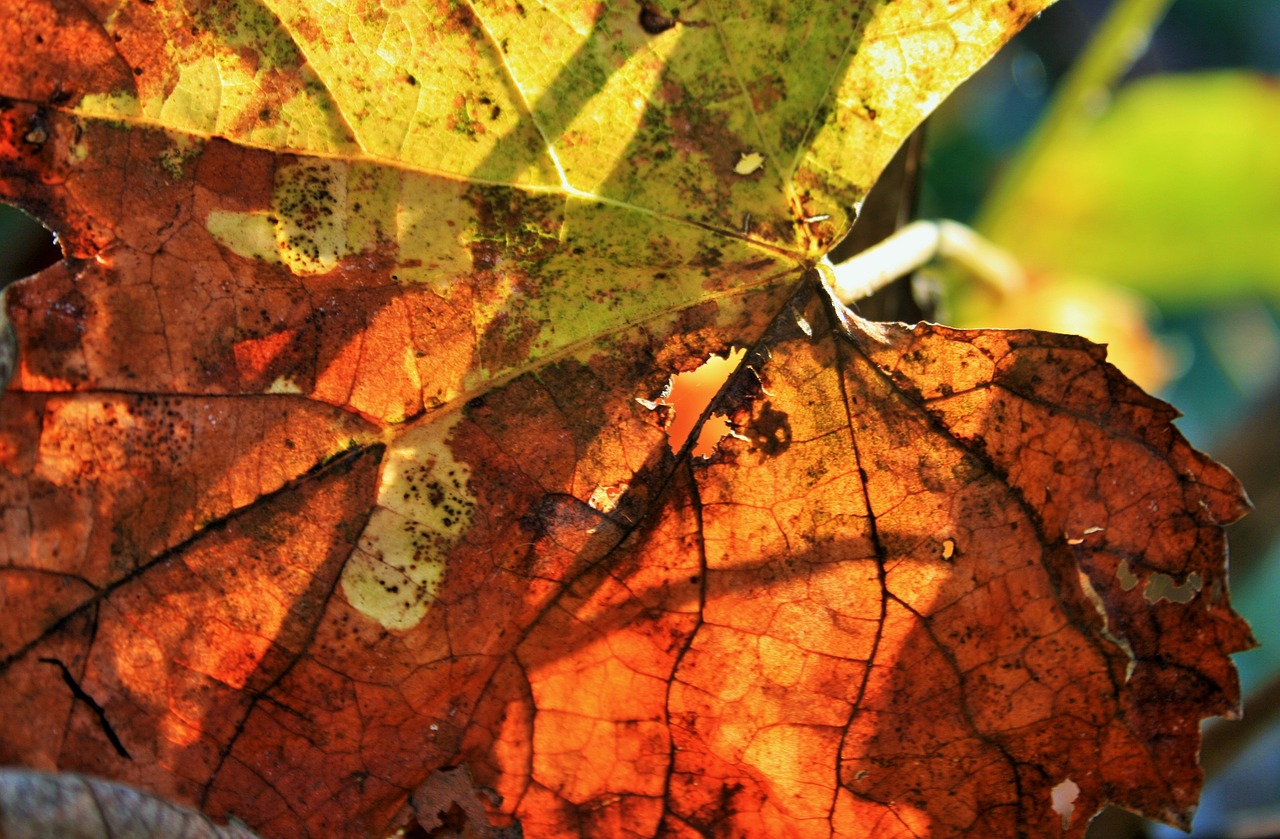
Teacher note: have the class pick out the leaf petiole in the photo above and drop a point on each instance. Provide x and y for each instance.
(914, 246)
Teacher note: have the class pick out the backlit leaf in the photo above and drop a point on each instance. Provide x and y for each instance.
(335, 492)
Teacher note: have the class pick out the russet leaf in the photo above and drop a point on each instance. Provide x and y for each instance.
(331, 474)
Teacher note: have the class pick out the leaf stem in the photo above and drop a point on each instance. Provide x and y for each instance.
(914, 246)
(1081, 98)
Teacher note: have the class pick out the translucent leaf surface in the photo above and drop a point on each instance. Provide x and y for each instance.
(330, 466)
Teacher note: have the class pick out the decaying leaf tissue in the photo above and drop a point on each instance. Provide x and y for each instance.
(302, 446)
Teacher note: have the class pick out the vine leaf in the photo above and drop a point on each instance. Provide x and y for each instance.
(333, 490)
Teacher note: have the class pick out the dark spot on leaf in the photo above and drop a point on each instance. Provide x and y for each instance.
(770, 431)
(653, 21)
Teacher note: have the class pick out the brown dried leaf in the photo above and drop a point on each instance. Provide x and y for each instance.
(328, 471)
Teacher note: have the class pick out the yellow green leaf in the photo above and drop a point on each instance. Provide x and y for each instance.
(1171, 191)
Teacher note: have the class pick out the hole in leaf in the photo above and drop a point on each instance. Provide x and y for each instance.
(1162, 586)
(1063, 797)
(689, 394)
(29, 246)
(606, 498)
(1128, 579)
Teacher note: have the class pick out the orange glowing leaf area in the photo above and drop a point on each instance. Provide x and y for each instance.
(688, 396)
(344, 485)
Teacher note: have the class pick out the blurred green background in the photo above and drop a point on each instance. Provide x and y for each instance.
(1148, 218)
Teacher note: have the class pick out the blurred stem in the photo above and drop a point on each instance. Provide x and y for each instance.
(1082, 96)
(1225, 740)
(1114, 823)
(1252, 451)
(914, 246)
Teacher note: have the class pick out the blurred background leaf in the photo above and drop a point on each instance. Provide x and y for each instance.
(1172, 192)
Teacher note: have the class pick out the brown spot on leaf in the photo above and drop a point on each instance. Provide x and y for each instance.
(653, 20)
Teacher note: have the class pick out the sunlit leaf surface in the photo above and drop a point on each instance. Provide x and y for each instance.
(337, 493)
